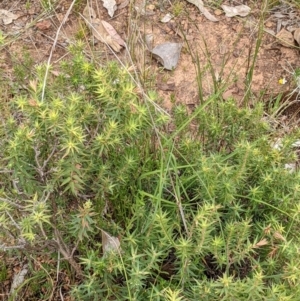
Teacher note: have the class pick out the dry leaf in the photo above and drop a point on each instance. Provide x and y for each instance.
(123, 4)
(43, 25)
(278, 236)
(167, 18)
(285, 38)
(141, 9)
(297, 142)
(261, 243)
(18, 279)
(297, 36)
(290, 167)
(112, 32)
(55, 73)
(273, 252)
(203, 10)
(111, 6)
(100, 31)
(33, 85)
(110, 243)
(33, 103)
(239, 10)
(167, 54)
(7, 17)
(58, 73)
(279, 15)
(268, 229)
(270, 31)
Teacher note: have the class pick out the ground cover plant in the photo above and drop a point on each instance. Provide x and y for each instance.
(207, 210)
(105, 195)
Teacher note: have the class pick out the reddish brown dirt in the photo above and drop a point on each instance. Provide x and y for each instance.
(225, 48)
(229, 43)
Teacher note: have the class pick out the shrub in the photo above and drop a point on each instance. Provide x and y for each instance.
(207, 211)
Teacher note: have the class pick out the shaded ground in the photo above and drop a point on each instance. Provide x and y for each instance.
(225, 49)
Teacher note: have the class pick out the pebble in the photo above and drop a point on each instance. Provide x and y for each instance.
(218, 12)
(297, 35)
(229, 93)
(150, 7)
(269, 24)
(285, 38)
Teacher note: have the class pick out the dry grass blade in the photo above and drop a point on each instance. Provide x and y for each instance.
(53, 46)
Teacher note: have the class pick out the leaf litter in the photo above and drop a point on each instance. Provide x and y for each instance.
(111, 6)
(123, 4)
(203, 10)
(166, 18)
(110, 243)
(239, 10)
(102, 31)
(7, 17)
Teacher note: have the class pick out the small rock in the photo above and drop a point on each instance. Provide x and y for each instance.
(150, 7)
(297, 35)
(167, 18)
(169, 30)
(269, 24)
(149, 41)
(60, 17)
(218, 12)
(228, 94)
(285, 38)
(43, 25)
(167, 54)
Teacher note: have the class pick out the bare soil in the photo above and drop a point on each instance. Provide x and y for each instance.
(225, 48)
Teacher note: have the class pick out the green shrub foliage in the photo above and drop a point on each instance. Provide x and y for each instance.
(205, 211)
